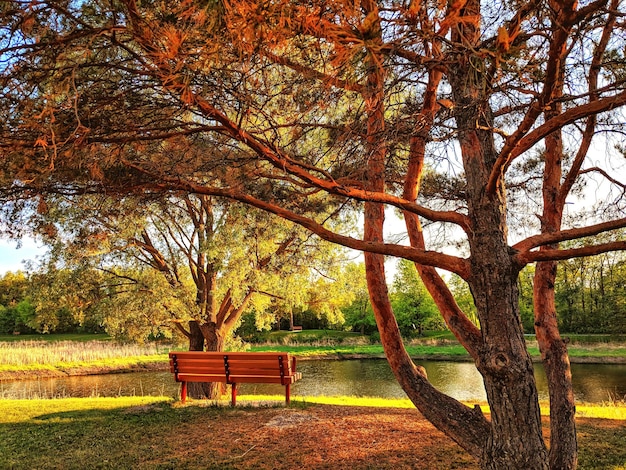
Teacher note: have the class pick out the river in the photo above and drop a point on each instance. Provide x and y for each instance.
(594, 383)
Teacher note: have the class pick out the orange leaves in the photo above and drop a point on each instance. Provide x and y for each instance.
(172, 40)
(503, 41)
(41, 142)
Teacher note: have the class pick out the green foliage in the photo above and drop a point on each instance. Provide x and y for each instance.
(463, 297)
(18, 318)
(525, 284)
(358, 314)
(590, 294)
(415, 310)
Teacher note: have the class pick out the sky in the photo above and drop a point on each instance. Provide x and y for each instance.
(12, 257)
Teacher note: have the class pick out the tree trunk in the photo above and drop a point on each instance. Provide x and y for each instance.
(563, 443)
(515, 440)
(199, 336)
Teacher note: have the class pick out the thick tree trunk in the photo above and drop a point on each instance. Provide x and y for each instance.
(515, 440)
(199, 336)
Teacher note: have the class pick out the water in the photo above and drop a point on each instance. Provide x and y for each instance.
(594, 383)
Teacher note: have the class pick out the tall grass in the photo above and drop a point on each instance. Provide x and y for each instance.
(29, 353)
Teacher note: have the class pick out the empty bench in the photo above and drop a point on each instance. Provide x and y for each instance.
(233, 368)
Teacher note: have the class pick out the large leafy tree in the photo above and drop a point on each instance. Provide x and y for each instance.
(197, 260)
(449, 112)
(193, 262)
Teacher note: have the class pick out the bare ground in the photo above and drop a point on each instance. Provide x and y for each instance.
(347, 438)
(319, 437)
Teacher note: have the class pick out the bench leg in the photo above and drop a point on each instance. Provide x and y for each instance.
(183, 392)
(288, 393)
(233, 394)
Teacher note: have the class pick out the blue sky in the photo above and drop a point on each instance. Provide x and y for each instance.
(11, 257)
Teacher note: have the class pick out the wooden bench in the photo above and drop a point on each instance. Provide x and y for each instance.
(233, 368)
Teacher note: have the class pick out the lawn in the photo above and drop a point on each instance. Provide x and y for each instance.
(156, 433)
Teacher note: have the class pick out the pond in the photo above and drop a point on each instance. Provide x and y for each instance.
(593, 383)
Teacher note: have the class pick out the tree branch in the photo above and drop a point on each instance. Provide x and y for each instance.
(530, 139)
(556, 254)
(450, 263)
(563, 235)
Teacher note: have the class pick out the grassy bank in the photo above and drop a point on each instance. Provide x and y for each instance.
(58, 355)
(75, 357)
(582, 353)
(340, 433)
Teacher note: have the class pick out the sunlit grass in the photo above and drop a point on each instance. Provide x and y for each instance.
(22, 410)
(48, 338)
(616, 411)
(19, 411)
(29, 355)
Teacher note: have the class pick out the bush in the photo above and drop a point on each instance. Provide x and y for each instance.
(374, 337)
(17, 319)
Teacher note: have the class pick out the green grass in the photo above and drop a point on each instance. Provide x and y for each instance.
(136, 432)
(56, 352)
(425, 351)
(313, 336)
(57, 337)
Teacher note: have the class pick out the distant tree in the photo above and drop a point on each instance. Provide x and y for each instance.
(463, 297)
(358, 314)
(67, 300)
(414, 308)
(17, 313)
(589, 292)
(13, 288)
(527, 313)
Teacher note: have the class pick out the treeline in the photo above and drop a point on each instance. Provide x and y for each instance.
(64, 301)
(590, 297)
(29, 305)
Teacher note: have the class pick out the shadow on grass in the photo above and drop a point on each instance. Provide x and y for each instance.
(167, 435)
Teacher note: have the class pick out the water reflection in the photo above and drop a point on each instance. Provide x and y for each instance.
(592, 383)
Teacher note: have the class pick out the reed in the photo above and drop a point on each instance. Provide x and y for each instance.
(30, 353)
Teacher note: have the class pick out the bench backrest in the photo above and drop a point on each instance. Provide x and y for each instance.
(232, 363)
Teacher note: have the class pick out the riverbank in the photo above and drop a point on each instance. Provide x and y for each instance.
(154, 432)
(32, 360)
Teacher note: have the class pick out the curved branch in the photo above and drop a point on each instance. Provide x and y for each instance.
(450, 263)
(311, 73)
(530, 139)
(556, 254)
(594, 75)
(563, 235)
(287, 164)
(605, 175)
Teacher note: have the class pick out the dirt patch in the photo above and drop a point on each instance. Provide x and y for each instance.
(318, 437)
(291, 419)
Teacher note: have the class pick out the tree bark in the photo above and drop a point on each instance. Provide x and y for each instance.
(515, 439)
(563, 442)
(201, 334)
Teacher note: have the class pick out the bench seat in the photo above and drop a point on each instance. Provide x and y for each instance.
(233, 368)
